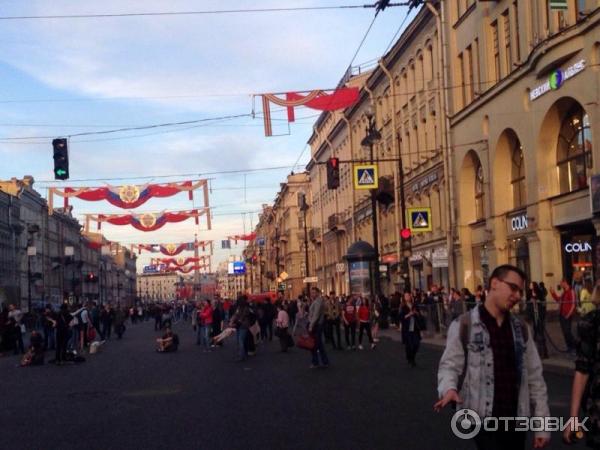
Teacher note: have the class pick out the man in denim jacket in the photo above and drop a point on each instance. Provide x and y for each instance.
(502, 374)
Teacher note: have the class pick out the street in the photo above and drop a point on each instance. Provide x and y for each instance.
(129, 396)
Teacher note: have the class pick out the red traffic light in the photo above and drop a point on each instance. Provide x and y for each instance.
(405, 233)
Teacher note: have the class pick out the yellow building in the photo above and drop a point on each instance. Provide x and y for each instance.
(524, 120)
(403, 93)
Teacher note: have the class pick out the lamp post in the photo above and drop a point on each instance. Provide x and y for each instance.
(31, 251)
(372, 136)
(304, 208)
(406, 244)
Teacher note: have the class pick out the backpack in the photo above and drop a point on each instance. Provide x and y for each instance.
(464, 331)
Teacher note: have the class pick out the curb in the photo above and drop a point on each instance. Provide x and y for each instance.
(557, 366)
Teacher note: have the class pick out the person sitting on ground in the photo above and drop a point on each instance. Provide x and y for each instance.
(169, 341)
(35, 353)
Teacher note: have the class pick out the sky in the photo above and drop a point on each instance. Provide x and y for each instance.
(62, 77)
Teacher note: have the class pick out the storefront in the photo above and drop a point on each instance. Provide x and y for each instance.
(580, 249)
(517, 224)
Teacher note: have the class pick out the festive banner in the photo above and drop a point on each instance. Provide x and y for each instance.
(186, 269)
(181, 262)
(318, 99)
(126, 196)
(147, 221)
(242, 237)
(171, 249)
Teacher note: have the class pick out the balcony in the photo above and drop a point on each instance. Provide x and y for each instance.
(314, 235)
(336, 223)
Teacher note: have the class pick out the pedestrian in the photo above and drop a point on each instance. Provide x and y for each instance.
(205, 323)
(15, 317)
(107, 316)
(316, 319)
(241, 320)
(332, 321)
(63, 321)
(586, 380)
(585, 299)
(412, 325)
(282, 323)
(567, 303)
(48, 326)
(349, 318)
(364, 323)
(490, 350)
(120, 318)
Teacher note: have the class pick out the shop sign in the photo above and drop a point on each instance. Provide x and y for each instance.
(556, 79)
(578, 247)
(519, 222)
(439, 257)
(426, 181)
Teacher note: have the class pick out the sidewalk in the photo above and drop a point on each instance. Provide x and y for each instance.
(557, 362)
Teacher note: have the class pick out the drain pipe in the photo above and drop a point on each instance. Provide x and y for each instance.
(447, 139)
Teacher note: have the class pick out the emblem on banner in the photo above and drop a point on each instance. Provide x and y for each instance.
(129, 193)
(148, 220)
(180, 261)
(171, 248)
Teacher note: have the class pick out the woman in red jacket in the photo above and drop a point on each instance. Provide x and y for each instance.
(364, 321)
(205, 323)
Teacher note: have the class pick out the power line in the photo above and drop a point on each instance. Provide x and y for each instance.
(185, 13)
(178, 175)
(363, 40)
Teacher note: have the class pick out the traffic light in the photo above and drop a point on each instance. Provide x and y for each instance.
(91, 278)
(333, 173)
(61, 159)
(405, 235)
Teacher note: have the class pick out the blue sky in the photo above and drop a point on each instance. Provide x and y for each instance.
(63, 77)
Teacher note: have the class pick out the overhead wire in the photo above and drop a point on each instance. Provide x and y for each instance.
(185, 13)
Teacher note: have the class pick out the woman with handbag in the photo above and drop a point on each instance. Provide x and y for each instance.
(412, 324)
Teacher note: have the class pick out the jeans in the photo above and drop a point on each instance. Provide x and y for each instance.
(241, 339)
(49, 339)
(350, 332)
(565, 326)
(319, 349)
(106, 327)
(365, 326)
(204, 331)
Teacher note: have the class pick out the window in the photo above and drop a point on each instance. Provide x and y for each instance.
(517, 35)
(461, 81)
(507, 43)
(574, 151)
(517, 179)
(477, 66)
(496, 51)
(479, 212)
(470, 81)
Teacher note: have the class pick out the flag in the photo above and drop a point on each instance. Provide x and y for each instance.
(226, 244)
(559, 5)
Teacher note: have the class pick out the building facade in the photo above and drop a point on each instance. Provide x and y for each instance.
(157, 287)
(524, 79)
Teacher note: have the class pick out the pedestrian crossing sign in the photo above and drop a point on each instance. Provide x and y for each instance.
(365, 176)
(419, 219)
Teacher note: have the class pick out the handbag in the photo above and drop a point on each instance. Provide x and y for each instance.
(91, 334)
(306, 342)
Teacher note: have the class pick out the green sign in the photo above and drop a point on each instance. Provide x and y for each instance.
(559, 5)
(281, 287)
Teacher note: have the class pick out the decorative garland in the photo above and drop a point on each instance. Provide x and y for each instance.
(186, 269)
(318, 99)
(171, 249)
(180, 262)
(127, 196)
(242, 237)
(147, 221)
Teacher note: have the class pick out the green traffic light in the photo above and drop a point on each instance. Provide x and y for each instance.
(61, 172)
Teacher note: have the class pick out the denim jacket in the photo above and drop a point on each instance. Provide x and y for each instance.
(477, 391)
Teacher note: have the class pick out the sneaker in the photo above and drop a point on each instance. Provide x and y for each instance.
(312, 366)
(373, 345)
(375, 339)
(360, 347)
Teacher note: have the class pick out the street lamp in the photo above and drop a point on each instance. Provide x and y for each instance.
(372, 136)
(31, 251)
(304, 208)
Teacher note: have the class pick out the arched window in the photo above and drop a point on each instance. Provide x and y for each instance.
(574, 150)
(517, 179)
(479, 212)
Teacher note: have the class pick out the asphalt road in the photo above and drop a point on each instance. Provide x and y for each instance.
(128, 396)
